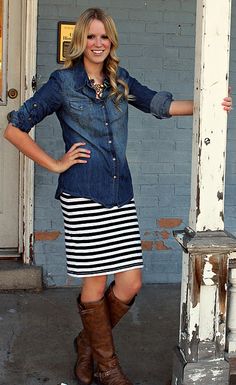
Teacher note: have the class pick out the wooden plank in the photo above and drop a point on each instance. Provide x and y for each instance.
(210, 120)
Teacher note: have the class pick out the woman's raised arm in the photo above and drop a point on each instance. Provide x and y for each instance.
(185, 107)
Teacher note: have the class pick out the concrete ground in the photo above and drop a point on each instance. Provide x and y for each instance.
(37, 331)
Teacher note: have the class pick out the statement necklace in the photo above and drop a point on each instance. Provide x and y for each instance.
(99, 88)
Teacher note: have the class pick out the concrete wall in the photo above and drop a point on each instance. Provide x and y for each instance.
(157, 47)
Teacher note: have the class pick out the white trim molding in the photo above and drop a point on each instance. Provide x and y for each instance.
(29, 51)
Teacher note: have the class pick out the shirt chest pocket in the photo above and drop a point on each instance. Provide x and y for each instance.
(81, 111)
(118, 112)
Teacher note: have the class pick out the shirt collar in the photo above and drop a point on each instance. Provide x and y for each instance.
(81, 77)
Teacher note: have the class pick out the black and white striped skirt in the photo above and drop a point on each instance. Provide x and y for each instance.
(100, 240)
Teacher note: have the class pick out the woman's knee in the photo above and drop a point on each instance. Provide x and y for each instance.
(128, 285)
(137, 285)
(93, 288)
(134, 286)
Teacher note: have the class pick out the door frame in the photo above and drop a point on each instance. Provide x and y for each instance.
(26, 179)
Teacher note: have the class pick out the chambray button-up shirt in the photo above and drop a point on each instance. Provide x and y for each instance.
(105, 178)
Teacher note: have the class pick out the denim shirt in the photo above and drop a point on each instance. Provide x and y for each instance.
(105, 178)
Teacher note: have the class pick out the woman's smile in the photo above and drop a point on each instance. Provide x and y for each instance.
(98, 44)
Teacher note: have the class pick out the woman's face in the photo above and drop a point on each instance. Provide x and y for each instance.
(98, 45)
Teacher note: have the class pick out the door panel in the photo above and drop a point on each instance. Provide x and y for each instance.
(10, 78)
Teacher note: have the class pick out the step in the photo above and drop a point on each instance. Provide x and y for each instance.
(11, 254)
(15, 275)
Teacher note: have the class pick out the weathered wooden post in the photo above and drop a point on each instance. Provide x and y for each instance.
(201, 357)
(231, 341)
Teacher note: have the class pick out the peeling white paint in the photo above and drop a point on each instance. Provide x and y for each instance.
(232, 255)
(208, 274)
(184, 285)
(200, 373)
(232, 312)
(217, 359)
(208, 172)
(208, 161)
(216, 372)
(193, 321)
(207, 312)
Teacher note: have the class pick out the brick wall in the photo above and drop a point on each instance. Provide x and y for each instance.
(157, 47)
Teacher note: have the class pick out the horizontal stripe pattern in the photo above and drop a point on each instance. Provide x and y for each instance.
(100, 240)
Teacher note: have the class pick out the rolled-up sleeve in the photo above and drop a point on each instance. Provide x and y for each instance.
(147, 100)
(44, 102)
(160, 104)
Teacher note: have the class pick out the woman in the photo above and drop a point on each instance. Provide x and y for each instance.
(90, 97)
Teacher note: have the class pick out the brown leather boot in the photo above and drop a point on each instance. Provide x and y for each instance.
(96, 321)
(117, 308)
(84, 367)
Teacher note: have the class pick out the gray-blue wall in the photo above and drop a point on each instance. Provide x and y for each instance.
(157, 47)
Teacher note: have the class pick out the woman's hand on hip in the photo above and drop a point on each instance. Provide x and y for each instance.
(76, 154)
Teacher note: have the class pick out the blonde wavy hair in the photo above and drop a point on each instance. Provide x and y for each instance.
(79, 42)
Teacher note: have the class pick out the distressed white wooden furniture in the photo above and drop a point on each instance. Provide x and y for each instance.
(202, 354)
(231, 340)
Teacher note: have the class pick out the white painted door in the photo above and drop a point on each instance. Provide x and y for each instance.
(10, 83)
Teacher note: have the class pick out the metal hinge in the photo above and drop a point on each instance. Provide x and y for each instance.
(34, 83)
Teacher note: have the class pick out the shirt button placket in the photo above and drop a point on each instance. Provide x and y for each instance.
(110, 143)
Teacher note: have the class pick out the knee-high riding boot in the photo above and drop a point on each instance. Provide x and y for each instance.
(84, 366)
(97, 325)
